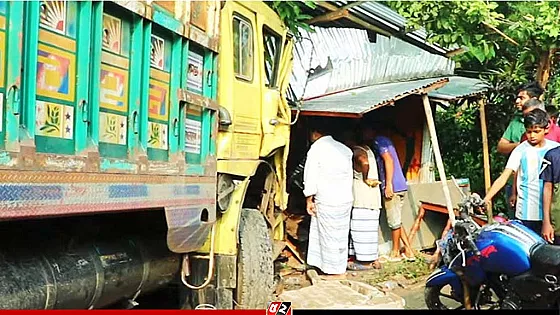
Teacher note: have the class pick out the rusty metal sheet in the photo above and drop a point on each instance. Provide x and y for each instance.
(458, 88)
(359, 101)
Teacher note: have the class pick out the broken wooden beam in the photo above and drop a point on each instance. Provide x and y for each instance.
(353, 18)
(294, 251)
(329, 17)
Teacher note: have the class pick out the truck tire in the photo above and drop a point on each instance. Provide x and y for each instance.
(255, 267)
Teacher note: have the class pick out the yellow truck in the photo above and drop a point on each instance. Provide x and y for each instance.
(252, 147)
(142, 145)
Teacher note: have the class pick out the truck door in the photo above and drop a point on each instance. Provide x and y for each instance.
(270, 47)
(246, 84)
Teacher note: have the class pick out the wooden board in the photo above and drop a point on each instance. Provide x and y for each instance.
(199, 14)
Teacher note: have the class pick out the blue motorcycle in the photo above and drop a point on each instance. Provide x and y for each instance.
(497, 266)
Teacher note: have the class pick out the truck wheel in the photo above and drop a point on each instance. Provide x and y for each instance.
(255, 268)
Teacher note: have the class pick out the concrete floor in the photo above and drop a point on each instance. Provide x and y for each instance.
(413, 296)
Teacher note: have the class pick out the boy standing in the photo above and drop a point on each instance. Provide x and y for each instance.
(526, 160)
(551, 198)
(364, 222)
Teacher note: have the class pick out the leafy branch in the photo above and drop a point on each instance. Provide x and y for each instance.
(291, 14)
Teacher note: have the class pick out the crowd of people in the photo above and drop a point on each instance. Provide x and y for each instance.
(348, 183)
(532, 172)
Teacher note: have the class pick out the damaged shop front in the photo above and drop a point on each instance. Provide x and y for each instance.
(396, 110)
(347, 79)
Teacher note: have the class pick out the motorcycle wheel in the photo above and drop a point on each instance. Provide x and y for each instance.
(433, 302)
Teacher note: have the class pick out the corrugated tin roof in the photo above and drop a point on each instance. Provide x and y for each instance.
(378, 15)
(458, 88)
(357, 102)
(344, 58)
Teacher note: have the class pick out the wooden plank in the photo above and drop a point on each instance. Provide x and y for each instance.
(294, 250)
(434, 208)
(277, 248)
(353, 18)
(328, 114)
(437, 154)
(329, 17)
(485, 154)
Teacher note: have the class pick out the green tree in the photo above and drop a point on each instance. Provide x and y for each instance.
(528, 31)
(507, 43)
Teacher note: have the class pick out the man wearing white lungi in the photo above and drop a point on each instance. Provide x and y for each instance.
(364, 223)
(328, 191)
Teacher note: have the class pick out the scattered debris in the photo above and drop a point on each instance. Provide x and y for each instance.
(313, 276)
(388, 285)
(294, 251)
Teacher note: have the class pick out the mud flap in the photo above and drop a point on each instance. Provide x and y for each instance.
(188, 227)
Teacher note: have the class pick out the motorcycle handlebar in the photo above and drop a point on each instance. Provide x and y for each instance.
(473, 246)
(464, 231)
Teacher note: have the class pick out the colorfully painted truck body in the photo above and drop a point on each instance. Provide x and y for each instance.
(108, 106)
(126, 107)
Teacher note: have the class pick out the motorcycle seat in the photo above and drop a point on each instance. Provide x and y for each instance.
(545, 259)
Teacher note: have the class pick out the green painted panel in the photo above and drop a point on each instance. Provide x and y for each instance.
(145, 83)
(135, 80)
(163, 47)
(62, 80)
(163, 19)
(112, 150)
(11, 17)
(116, 81)
(183, 105)
(175, 84)
(207, 91)
(194, 134)
(157, 155)
(50, 144)
(95, 70)
(30, 73)
(84, 105)
(214, 90)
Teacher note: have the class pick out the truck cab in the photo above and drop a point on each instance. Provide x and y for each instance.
(252, 147)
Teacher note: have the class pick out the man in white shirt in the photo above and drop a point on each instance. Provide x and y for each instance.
(328, 179)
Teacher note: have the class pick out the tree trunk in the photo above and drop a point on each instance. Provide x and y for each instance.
(545, 65)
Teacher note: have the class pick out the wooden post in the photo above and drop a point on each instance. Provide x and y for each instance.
(437, 154)
(416, 226)
(485, 155)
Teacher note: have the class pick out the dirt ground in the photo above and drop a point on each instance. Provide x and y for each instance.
(403, 278)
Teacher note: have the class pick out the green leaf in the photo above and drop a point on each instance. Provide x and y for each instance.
(478, 54)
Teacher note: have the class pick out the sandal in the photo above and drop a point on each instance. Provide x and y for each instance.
(376, 265)
(383, 259)
(354, 266)
(410, 259)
